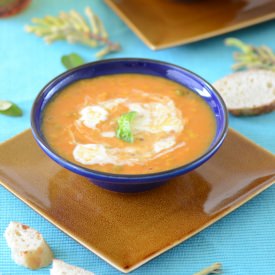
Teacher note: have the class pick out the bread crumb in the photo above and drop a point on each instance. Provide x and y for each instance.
(28, 247)
(61, 268)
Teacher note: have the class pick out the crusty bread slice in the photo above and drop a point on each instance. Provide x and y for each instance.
(28, 248)
(249, 92)
(61, 268)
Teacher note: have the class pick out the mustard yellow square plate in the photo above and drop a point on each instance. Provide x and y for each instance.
(127, 230)
(166, 23)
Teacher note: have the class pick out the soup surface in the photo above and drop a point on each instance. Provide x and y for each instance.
(128, 124)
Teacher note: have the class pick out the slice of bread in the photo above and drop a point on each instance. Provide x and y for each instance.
(28, 248)
(249, 92)
(61, 268)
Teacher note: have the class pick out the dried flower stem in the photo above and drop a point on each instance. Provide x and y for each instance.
(251, 57)
(73, 28)
(93, 20)
(213, 269)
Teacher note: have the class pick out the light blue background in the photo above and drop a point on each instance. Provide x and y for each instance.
(244, 241)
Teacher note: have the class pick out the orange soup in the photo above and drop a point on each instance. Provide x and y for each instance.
(128, 124)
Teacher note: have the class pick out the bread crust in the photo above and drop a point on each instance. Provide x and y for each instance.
(254, 111)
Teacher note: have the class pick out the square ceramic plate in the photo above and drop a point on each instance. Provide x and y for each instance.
(167, 23)
(127, 230)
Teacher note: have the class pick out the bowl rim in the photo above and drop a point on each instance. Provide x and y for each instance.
(112, 177)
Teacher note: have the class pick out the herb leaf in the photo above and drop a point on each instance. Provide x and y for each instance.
(72, 60)
(9, 109)
(4, 105)
(124, 131)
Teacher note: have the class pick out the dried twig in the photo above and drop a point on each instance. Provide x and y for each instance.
(213, 269)
(251, 57)
(73, 28)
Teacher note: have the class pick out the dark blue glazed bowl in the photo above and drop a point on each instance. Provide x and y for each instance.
(131, 183)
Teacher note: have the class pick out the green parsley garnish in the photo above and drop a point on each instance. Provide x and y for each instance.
(124, 131)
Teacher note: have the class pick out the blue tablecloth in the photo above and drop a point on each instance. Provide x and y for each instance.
(243, 241)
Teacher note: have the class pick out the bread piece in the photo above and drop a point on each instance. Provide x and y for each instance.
(249, 92)
(28, 248)
(61, 268)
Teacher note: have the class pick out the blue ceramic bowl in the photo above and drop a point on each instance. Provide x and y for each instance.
(131, 183)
